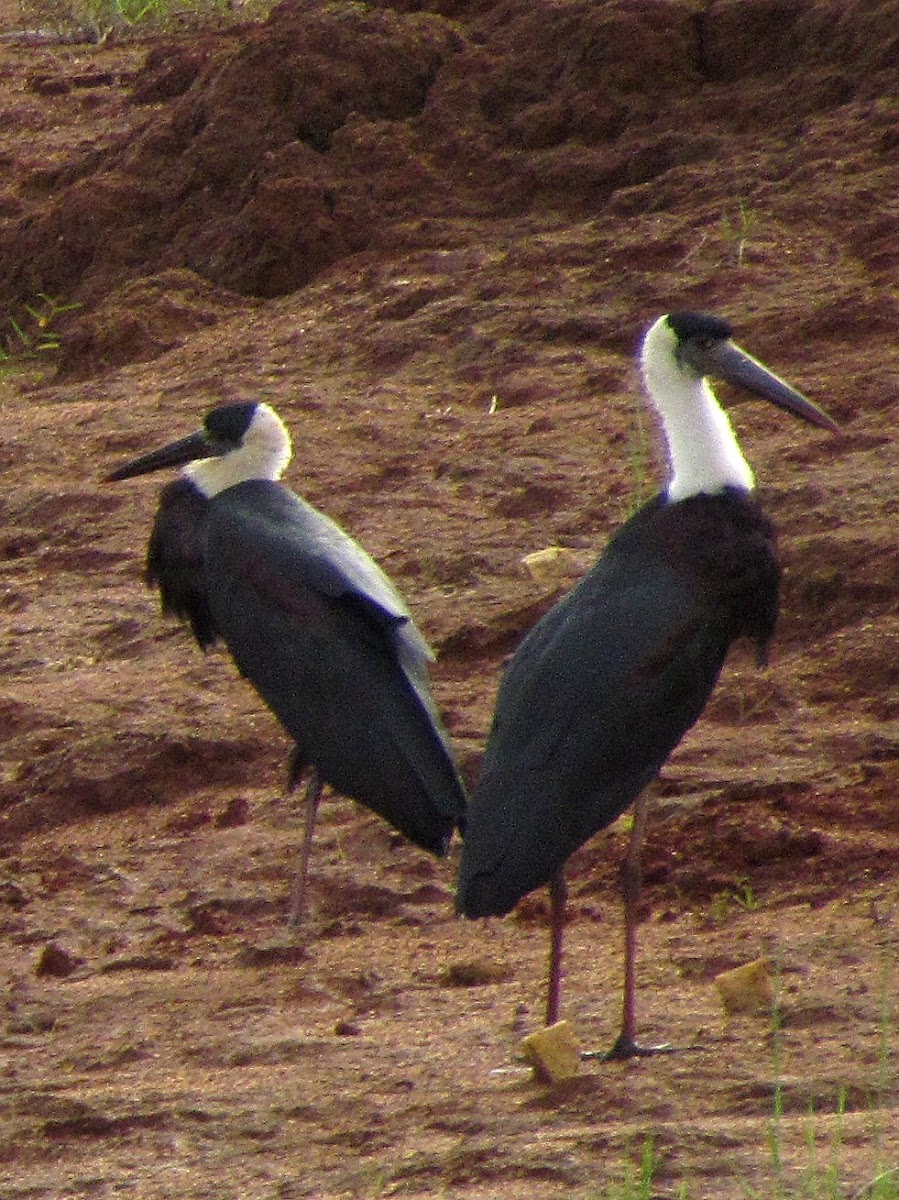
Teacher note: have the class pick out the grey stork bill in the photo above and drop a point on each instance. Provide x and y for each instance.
(606, 684)
(310, 620)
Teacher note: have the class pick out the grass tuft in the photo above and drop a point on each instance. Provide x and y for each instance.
(97, 20)
(738, 231)
(34, 334)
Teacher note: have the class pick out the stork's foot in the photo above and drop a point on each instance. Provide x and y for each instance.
(626, 1047)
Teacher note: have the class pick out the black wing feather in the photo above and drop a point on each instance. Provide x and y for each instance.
(328, 643)
(176, 561)
(607, 684)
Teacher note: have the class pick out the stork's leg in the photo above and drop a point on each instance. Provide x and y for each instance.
(631, 877)
(558, 897)
(298, 891)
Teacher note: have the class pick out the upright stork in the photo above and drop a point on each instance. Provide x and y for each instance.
(608, 682)
(309, 618)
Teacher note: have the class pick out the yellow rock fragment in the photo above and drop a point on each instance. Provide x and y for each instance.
(551, 567)
(747, 989)
(553, 1052)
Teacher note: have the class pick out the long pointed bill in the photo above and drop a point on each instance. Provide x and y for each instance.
(727, 361)
(176, 454)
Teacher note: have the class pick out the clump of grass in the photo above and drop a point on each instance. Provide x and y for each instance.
(738, 231)
(741, 896)
(637, 1181)
(97, 20)
(818, 1181)
(822, 1176)
(34, 335)
(774, 1130)
(826, 1183)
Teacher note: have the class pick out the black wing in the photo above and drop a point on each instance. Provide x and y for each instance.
(602, 690)
(176, 561)
(325, 638)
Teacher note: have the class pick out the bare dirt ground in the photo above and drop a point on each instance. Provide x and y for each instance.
(431, 239)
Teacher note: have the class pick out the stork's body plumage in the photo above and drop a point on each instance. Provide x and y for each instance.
(642, 645)
(309, 618)
(175, 559)
(608, 682)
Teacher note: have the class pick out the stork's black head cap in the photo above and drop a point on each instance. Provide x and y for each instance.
(689, 326)
(229, 422)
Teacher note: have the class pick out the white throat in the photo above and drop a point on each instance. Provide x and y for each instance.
(263, 454)
(703, 450)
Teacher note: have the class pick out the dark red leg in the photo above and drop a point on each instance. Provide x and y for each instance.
(631, 877)
(298, 891)
(558, 897)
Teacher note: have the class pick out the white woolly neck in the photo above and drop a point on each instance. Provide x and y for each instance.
(703, 450)
(263, 454)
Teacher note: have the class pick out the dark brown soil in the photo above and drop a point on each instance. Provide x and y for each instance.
(432, 238)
